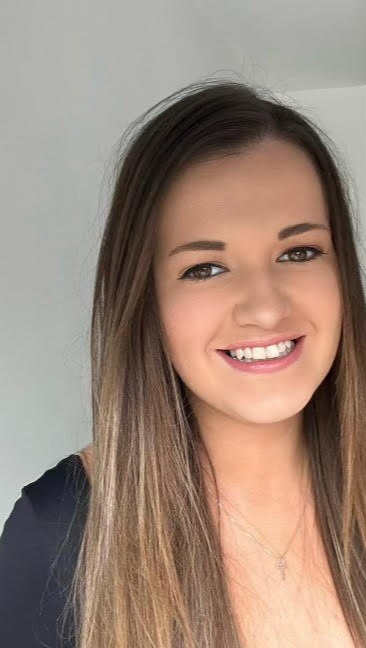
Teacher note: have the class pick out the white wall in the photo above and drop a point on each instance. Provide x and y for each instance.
(74, 75)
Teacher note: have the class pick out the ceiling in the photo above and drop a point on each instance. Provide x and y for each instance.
(288, 44)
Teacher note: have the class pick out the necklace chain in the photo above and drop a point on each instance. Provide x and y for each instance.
(281, 563)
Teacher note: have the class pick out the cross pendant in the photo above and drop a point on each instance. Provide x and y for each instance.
(282, 566)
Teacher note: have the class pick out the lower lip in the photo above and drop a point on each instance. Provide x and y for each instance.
(266, 366)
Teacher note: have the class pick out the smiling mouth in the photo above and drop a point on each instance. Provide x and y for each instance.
(227, 351)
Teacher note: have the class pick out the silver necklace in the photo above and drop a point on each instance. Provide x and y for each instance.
(281, 562)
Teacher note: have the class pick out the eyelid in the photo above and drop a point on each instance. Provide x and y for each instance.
(319, 252)
(316, 246)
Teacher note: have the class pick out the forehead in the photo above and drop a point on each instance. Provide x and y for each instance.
(270, 184)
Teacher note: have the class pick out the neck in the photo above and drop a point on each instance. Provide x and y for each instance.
(266, 467)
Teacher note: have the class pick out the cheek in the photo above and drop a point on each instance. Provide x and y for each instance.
(323, 308)
(323, 297)
(189, 322)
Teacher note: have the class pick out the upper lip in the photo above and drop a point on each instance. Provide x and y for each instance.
(262, 342)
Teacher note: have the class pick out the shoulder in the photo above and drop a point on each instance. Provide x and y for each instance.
(49, 505)
(38, 551)
(58, 490)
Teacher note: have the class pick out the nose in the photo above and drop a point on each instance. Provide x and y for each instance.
(261, 301)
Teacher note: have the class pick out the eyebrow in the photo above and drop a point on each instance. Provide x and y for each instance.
(292, 230)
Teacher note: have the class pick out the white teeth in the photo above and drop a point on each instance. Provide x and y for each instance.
(262, 353)
(259, 353)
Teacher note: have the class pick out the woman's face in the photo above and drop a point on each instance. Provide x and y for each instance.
(254, 287)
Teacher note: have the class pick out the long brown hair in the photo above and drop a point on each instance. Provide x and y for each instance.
(150, 569)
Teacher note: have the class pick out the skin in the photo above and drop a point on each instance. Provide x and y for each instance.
(251, 424)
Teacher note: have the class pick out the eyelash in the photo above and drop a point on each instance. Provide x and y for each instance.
(318, 253)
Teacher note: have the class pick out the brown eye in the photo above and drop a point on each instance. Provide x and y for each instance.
(197, 272)
(300, 254)
(200, 272)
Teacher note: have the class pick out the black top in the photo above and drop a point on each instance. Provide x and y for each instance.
(33, 584)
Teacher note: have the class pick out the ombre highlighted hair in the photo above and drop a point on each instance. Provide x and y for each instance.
(150, 569)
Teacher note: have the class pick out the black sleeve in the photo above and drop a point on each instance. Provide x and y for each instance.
(36, 565)
(29, 604)
(23, 574)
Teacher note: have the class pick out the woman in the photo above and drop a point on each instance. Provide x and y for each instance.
(225, 495)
